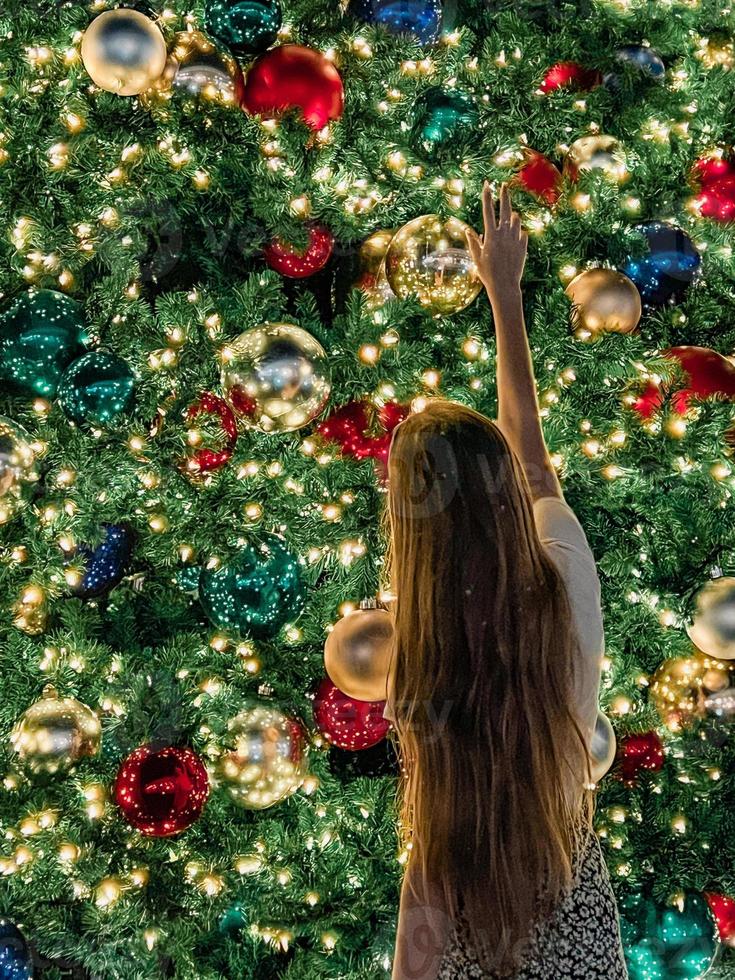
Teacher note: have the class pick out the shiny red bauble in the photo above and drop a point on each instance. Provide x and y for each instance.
(715, 178)
(362, 432)
(206, 460)
(570, 74)
(640, 751)
(294, 77)
(298, 263)
(723, 909)
(539, 177)
(347, 722)
(161, 791)
(710, 375)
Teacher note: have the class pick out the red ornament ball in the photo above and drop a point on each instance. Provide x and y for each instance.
(715, 178)
(347, 722)
(640, 751)
(539, 177)
(723, 909)
(709, 373)
(294, 77)
(570, 74)
(360, 436)
(161, 791)
(299, 263)
(206, 460)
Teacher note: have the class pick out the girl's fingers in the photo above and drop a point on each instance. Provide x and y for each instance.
(488, 208)
(505, 208)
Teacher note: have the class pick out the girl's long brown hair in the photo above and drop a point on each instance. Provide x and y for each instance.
(481, 683)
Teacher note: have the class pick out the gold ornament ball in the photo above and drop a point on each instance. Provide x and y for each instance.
(603, 153)
(685, 689)
(713, 628)
(265, 761)
(429, 258)
(276, 377)
(603, 746)
(55, 733)
(604, 301)
(123, 51)
(358, 651)
(371, 279)
(18, 470)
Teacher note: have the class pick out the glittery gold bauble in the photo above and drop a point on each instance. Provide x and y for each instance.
(713, 629)
(17, 469)
(602, 153)
(30, 612)
(716, 51)
(602, 747)
(687, 688)
(266, 756)
(357, 653)
(276, 377)
(428, 258)
(371, 278)
(604, 301)
(124, 51)
(55, 733)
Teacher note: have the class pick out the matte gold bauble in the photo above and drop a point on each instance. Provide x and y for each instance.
(371, 277)
(685, 689)
(358, 651)
(602, 747)
(429, 258)
(603, 153)
(604, 301)
(123, 51)
(713, 629)
(55, 733)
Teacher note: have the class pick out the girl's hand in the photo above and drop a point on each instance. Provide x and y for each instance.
(500, 254)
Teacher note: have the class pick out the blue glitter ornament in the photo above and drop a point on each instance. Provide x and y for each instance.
(422, 18)
(96, 388)
(15, 957)
(105, 565)
(258, 592)
(644, 58)
(664, 272)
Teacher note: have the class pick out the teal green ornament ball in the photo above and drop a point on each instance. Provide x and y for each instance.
(672, 942)
(442, 116)
(246, 26)
(40, 335)
(96, 389)
(257, 592)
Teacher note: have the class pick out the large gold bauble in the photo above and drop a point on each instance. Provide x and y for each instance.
(429, 258)
(123, 51)
(604, 301)
(276, 377)
(55, 733)
(603, 746)
(713, 629)
(358, 651)
(18, 470)
(371, 278)
(266, 756)
(685, 689)
(603, 153)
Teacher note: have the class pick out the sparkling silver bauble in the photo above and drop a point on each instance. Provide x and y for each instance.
(602, 747)
(713, 629)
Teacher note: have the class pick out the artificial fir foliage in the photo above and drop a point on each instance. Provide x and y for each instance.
(153, 212)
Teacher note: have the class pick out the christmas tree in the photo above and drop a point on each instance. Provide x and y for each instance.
(233, 257)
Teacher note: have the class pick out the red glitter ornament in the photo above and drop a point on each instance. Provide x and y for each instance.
(161, 791)
(205, 460)
(539, 176)
(294, 77)
(723, 909)
(570, 74)
(347, 722)
(715, 178)
(640, 751)
(351, 428)
(710, 375)
(300, 263)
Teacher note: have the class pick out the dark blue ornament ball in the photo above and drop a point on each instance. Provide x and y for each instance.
(105, 565)
(15, 957)
(643, 58)
(668, 265)
(422, 18)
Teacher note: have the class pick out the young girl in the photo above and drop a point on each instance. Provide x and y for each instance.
(494, 680)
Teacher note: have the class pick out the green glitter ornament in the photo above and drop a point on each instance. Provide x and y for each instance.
(40, 334)
(442, 116)
(96, 388)
(674, 942)
(246, 26)
(257, 592)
